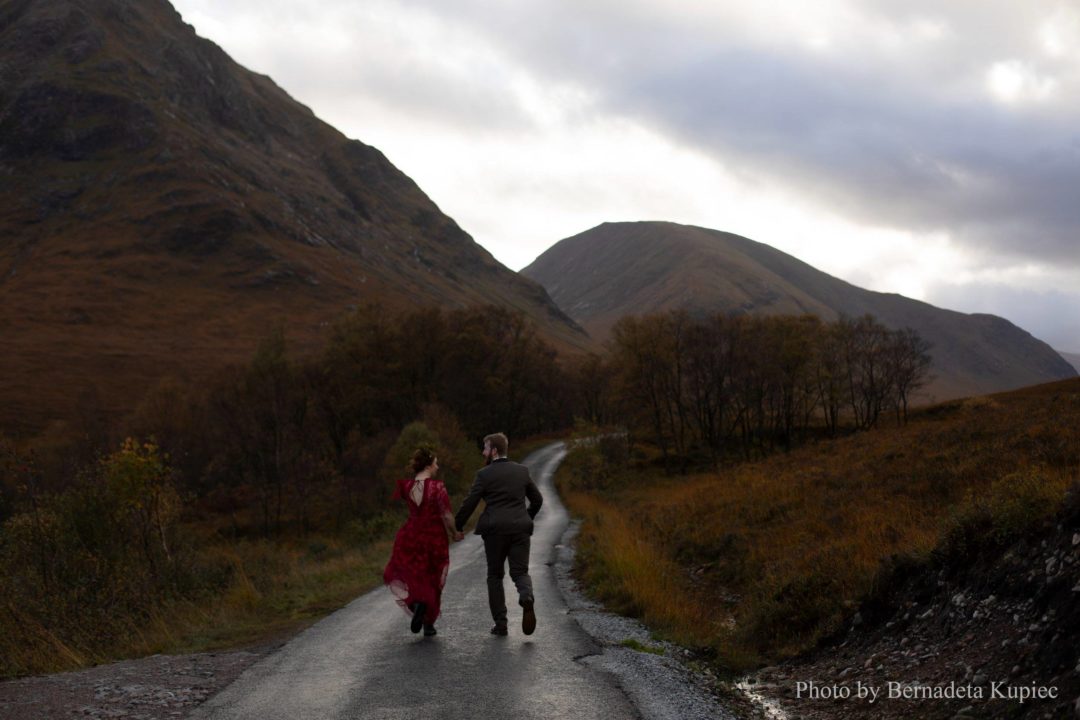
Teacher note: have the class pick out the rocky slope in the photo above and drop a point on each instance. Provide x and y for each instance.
(162, 208)
(998, 631)
(617, 269)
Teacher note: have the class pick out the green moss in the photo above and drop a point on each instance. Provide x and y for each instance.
(641, 647)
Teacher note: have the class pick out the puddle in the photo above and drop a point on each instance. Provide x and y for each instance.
(771, 708)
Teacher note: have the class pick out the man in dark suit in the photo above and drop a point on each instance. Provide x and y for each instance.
(506, 526)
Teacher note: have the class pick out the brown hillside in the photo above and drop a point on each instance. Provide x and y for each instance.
(619, 269)
(958, 500)
(162, 207)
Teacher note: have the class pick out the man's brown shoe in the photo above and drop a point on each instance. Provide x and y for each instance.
(498, 630)
(528, 618)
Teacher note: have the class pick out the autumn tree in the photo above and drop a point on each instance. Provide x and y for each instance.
(589, 380)
(909, 361)
(758, 382)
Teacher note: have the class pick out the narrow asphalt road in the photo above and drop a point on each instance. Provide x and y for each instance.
(362, 661)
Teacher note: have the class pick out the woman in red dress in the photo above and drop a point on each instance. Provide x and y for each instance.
(420, 560)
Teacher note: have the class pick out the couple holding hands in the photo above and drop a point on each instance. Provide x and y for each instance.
(420, 559)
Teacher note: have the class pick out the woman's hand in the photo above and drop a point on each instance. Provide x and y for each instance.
(458, 536)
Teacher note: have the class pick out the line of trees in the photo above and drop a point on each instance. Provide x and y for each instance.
(297, 434)
(305, 441)
(284, 443)
(751, 383)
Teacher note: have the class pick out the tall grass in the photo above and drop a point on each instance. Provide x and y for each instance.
(632, 574)
(255, 590)
(760, 561)
(274, 589)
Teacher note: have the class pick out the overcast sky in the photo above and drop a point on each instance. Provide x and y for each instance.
(926, 148)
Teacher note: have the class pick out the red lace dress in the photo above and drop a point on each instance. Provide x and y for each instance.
(421, 556)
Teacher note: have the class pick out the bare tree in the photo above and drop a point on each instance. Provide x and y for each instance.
(909, 361)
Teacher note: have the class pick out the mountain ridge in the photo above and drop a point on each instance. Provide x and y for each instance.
(170, 207)
(616, 269)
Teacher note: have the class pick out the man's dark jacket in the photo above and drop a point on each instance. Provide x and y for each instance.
(503, 486)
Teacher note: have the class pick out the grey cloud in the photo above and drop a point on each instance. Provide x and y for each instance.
(370, 68)
(878, 156)
(912, 143)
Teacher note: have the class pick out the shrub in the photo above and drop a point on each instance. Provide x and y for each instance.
(805, 606)
(89, 565)
(372, 528)
(400, 454)
(1011, 507)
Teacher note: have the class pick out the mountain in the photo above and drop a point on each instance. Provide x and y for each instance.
(617, 269)
(162, 207)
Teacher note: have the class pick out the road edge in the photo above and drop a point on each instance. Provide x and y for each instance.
(660, 686)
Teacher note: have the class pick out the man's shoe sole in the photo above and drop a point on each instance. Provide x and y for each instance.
(528, 619)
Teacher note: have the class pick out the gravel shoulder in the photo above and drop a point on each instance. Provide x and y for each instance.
(158, 687)
(658, 681)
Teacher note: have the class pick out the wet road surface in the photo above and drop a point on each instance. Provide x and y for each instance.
(362, 661)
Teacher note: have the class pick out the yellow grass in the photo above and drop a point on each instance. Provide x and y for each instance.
(635, 575)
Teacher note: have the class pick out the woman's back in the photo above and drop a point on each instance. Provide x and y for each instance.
(433, 502)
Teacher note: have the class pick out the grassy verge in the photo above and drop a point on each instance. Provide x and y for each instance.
(261, 589)
(759, 561)
(276, 589)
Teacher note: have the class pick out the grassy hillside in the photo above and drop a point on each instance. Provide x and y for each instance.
(171, 206)
(639, 268)
(763, 559)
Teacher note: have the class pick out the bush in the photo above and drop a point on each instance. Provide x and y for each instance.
(399, 457)
(88, 565)
(459, 459)
(805, 606)
(439, 429)
(372, 528)
(613, 451)
(1013, 506)
(598, 462)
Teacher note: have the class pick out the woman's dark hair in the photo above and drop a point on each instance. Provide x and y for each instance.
(424, 456)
